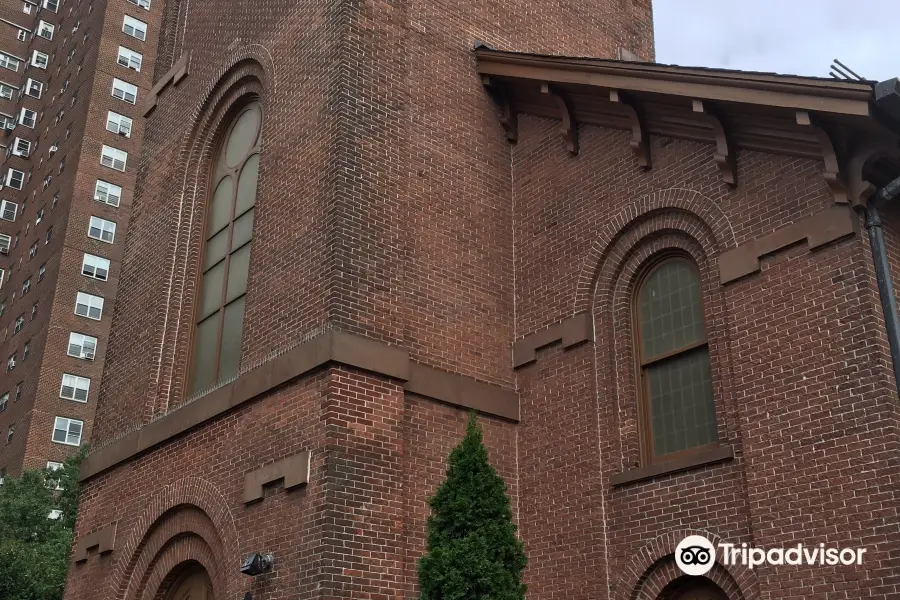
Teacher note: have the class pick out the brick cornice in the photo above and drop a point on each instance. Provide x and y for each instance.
(332, 347)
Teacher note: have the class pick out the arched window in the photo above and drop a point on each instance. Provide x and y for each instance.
(675, 387)
(226, 251)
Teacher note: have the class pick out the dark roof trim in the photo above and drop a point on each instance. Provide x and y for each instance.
(785, 91)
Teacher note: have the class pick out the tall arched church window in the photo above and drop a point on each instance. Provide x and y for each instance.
(226, 251)
(675, 388)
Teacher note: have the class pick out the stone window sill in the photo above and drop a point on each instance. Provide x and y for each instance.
(710, 456)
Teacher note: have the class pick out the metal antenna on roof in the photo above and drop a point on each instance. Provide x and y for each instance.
(841, 71)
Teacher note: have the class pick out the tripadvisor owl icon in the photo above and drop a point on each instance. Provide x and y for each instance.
(695, 555)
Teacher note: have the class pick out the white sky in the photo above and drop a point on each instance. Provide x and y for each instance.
(798, 37)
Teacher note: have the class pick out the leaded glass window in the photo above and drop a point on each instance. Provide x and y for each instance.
(676, 384)
(226, 252)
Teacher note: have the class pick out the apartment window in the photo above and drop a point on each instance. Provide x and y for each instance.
(26, 8)
(39, 59)
(118, 124)
(11, 362)
(34, 88)
(2, 307)
(18, 395)
(26, 350)
(67, 431)
(88, 305)
(6, 91)
(20, 324)
(49, 235)
(4, 400)
(41, 272)
(7, 61)
(26, 286)
(40, 216)
(9, 433)
(108, 193)
(32, 251)
(15, 179)
(51, 5)
(135, 28)
(675, 385)
(82, 346)
(95, 267)
(129, 58)
(101, 229)
(226, 254)
(8, 210)
(21, 147)
(145, 4)
(53, 482)
(74, 388)
(28, 118)
(124, 91)
(7, 121)
(5, 242)
(34, 311)
(45, 30)
(22, 35)
(113, 158)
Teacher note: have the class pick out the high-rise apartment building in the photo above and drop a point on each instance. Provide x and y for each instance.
(72, 76)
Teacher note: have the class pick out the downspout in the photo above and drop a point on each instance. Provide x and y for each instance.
(883, 270)
(887, 112)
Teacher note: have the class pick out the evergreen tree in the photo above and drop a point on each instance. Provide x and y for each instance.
(473, 552)
(34, 548)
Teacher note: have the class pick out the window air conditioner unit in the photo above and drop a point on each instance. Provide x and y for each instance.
(132, 67)
(88, 354)
(123, 133)
(53, 150)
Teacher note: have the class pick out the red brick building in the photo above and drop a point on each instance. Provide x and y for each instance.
(72, 76)
(650, 281)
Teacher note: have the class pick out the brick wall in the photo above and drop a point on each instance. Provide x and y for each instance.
(800, 375)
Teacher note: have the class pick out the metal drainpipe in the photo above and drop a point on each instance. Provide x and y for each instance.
(883, 270)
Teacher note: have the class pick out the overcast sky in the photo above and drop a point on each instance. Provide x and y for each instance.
(799, 37)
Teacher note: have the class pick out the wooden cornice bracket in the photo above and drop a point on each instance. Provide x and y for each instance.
(639, 137)
(834, 175)
(569, 127)
(724, 157)
(509, 118)
(174, 76)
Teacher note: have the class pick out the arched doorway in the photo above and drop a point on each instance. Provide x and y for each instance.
(693, 589)
(193, 584)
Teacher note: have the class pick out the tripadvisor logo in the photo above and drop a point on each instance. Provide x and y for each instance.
(696, 555)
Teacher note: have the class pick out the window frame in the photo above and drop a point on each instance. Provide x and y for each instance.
(117, 118)
(82, 355)
(39, 59)
(90, 260)
(30, 83)
(103, 221)
(642, 363)
(113, 156)
(238, 110)
(131, 57)
(7, 61)
(44, 26)
(89, 300)
(107, 192)
(126, 90)
(77, 379)
(67, 429)
(140, 28)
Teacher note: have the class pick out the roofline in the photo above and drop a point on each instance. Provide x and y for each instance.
(786, 91)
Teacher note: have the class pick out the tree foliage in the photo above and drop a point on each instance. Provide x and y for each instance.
(473, 552)
(34, 548)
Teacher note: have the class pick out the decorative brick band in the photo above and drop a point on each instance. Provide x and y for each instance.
(331, 347)
(294, 470)
(174, 76)
(104, 540)
(572, 331)
(817, 230)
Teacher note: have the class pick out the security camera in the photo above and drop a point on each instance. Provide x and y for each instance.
(257, 564)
